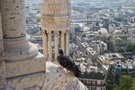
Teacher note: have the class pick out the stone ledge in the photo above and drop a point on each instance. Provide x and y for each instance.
(25, 67)
(20, 52)
(27, 82)
(55, 78)
(60, 79)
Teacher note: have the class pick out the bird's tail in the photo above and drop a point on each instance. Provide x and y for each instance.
(78, 72)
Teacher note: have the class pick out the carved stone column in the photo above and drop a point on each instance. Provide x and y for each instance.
(50, 44)
(67, 42)
(62, 40)
(45, 43)
(56, 43)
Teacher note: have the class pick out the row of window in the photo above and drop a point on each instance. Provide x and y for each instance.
(95, 88)
(92, 82)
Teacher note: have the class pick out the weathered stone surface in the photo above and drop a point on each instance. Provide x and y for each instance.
(1, 40)
(19, 49)
(60, 79)
(55, 23)
(16, 44)
(55, 15)
(32, 88)
(24, 67)
(2, 63)
(21, 56)
(55, 78)
(27, 82)
(2, 75)
(13, 18)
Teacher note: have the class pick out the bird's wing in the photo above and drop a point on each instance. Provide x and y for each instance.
(73, 63)
(69, 59)
(65, 62)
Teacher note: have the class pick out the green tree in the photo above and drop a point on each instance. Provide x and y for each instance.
(109, 85)
(131, 47)
(133, 84)
(120, 50)
(38, 11)
(126, 83)
(116, 87)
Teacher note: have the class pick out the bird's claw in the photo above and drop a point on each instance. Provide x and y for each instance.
(63, 69)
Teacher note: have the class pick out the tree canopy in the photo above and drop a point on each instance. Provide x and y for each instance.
(126, 83)
(131, 47)
(120, 50)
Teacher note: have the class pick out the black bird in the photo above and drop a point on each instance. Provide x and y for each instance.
(67, 63)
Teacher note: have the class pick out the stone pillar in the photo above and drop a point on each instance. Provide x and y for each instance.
(50, 44)
(13, 11)
(22, 57)
(2, 62)
(45, 43)
(56, 44)
(67, 43)
(62, 40)
(16, 42)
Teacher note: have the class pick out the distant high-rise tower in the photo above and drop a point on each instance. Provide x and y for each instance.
(55, 20)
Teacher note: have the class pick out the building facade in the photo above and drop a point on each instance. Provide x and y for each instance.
(94, 80)
(118, 68)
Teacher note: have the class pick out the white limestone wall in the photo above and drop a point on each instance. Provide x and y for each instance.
(13, 18)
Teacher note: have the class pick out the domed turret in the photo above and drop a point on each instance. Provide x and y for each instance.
(55, 20)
